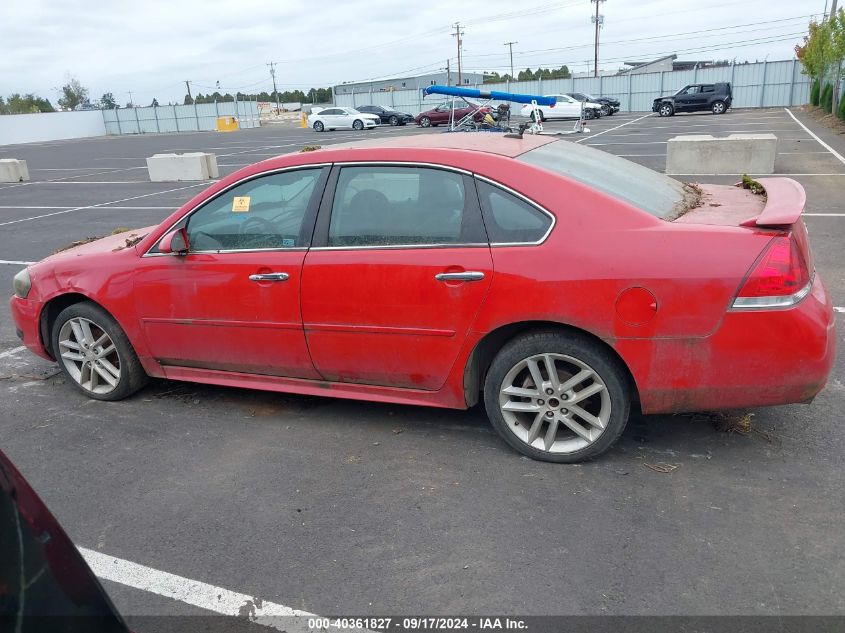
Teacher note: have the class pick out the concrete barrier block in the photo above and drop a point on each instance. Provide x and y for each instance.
(13, 170)
(178, 167)
(736, 154)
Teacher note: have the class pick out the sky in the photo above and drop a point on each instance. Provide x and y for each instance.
(150, 47)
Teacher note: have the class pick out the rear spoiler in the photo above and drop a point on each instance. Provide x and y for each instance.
(785, 200)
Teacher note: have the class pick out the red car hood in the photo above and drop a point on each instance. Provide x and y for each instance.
(108, 244)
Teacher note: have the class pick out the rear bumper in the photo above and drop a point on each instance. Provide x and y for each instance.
(26, 316)
(754, 359)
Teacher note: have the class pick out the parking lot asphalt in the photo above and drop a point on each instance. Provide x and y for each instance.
(341, 507)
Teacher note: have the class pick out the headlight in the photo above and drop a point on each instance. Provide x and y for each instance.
(22, 283)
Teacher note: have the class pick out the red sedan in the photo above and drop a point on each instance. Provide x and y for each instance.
(442, 113)
(558, 283)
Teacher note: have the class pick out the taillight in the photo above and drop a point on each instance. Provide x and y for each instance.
(780, 278)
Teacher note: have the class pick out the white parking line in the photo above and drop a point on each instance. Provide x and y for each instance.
(821, 142)
(195, 592)
(14, 351)
(101, 204)
(645, 116)
(838, 309)
(825, 215)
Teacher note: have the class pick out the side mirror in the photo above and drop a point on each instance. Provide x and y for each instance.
(175, 242)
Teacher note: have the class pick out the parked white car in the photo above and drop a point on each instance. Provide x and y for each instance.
(565, 108)
(339, 118)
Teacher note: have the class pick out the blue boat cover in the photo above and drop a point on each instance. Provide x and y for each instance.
(456, 91)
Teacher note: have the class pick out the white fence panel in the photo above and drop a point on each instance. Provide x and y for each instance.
(179, 118)
(50, 126)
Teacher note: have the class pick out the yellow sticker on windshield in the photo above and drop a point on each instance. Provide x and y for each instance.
(240, 204)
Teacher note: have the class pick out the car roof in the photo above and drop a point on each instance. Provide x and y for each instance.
(488, 142)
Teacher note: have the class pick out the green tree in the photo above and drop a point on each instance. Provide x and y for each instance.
(815, 92)
(25, 104)
(827, 98)
(107, 101)
(73, 94)
(188, 100)
(841, 113)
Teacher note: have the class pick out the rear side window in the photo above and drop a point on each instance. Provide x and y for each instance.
(510, 219)
(391, 206)
(707, 88)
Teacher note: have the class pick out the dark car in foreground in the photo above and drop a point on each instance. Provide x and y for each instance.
(715, 98)
(386, 115)
(45, 583)
(608, 106)
(442, 113)
(561, 285)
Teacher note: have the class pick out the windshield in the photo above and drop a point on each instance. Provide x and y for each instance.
(644, 188)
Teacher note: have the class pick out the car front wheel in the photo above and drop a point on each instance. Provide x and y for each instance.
(589, 113)
(557, 397)
(665, 109)
(425, 122)
(719, 107)
(318, 126)
(394, 120)
(94, 352)
(357, 124)
(606, 111)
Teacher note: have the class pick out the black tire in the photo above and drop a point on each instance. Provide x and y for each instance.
(318, 126)
(393, 120)
(358, 125)
(719, 107)
(665, 109)
(132, 374)
(608, 368)
(425, 122)
(606, 111)
(589, 113)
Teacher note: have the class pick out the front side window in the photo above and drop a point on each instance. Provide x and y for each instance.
(384, 206)
(509, 218)
(266, 212)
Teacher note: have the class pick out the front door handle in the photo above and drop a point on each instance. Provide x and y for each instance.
(469, 275)
(269, 277)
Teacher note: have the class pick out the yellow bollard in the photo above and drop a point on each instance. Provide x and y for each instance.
(303, 120)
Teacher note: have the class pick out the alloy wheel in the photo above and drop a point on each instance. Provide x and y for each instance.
(555, 403)
(89, 355)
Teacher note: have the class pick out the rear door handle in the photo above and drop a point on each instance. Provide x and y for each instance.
(470, 275)
(269, 277)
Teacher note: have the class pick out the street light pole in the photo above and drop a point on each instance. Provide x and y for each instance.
(510, 46)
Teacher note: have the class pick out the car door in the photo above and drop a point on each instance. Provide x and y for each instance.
(330, 117)
(399, 269)
(441, 113)
(685, 100)
(232, 302)
(565, 108)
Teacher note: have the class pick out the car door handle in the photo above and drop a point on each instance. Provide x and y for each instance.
(269, 277)
(470, 275)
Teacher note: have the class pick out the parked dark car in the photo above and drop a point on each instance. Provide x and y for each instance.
(608, 106)
(440, 114)
(45, 584)
(695, 98)
(393, 117)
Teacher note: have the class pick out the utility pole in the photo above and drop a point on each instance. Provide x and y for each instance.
(510, 46)
(131, 100)
(272, 66)
(188, 86)
(598, 20)
(458, 34)
(448, 74)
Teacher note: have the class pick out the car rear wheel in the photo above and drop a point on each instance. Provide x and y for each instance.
(557, 397)
(719, 107)
(94, 352)
(357, 124)
(318, 126)
(589, 113)
(425, 122)
(665, 109)
(394, 120)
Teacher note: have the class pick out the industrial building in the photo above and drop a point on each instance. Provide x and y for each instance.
(417, 82)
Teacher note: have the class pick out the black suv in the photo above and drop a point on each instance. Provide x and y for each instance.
(695, 98)
(608, 106)
(386, 115)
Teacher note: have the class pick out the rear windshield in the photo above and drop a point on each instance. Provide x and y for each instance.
(644, 188)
